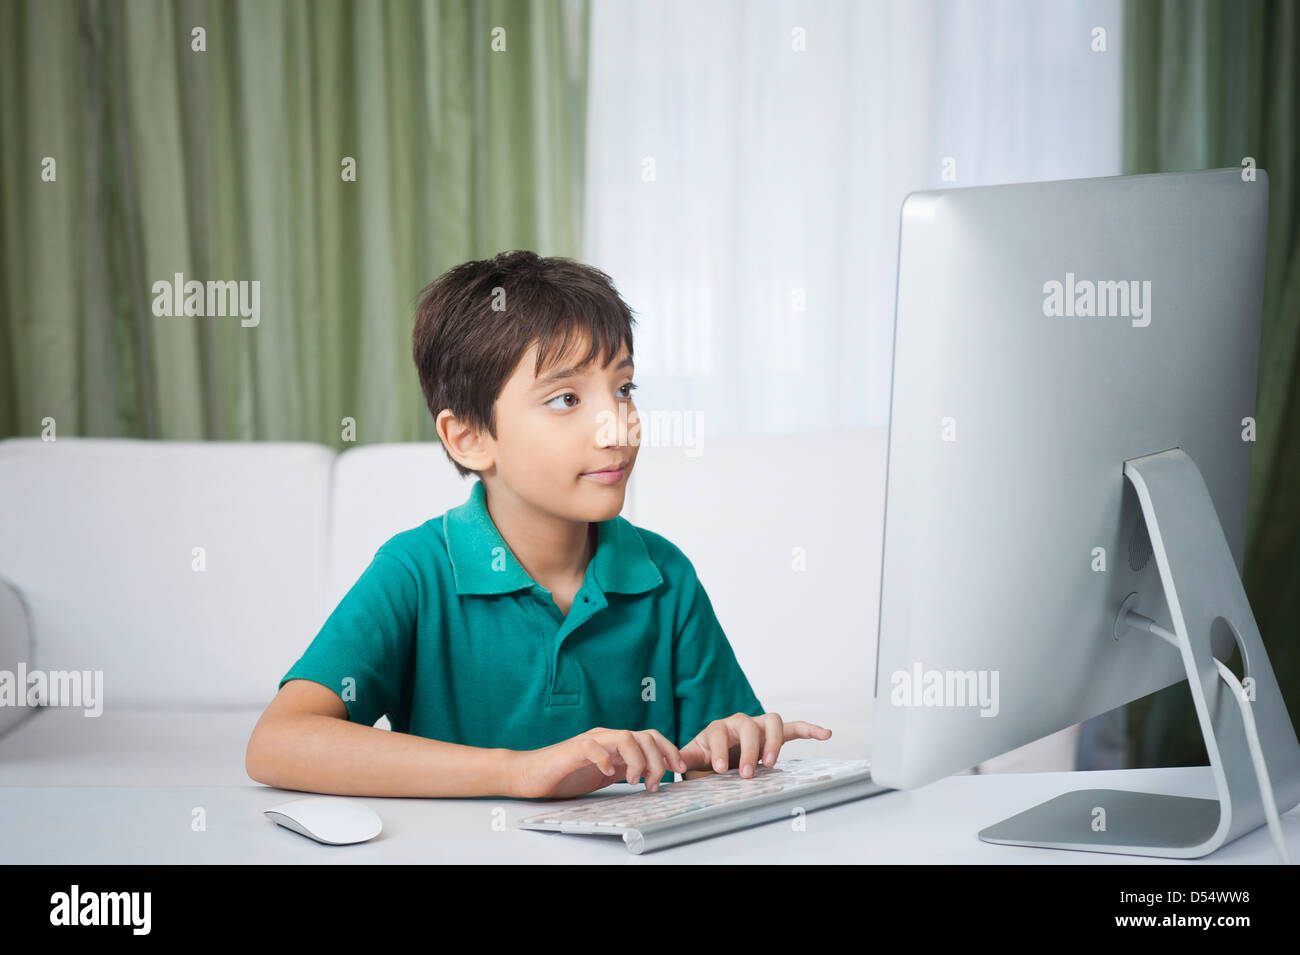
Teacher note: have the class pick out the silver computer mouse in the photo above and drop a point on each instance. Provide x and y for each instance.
(328, 819)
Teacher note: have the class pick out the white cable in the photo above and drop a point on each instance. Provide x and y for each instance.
(1252, 734)
(1257, 755)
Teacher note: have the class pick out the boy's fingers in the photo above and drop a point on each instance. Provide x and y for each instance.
(799, 729)
(719, 743)
(750, 736)
(773, 737)
(671, 753)
(655, 767)
(598, 755)
(695, 756)
(630, 748)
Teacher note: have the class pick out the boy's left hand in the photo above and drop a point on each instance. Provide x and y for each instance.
(738, 740)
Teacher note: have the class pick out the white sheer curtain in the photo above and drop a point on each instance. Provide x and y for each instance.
(744, 194)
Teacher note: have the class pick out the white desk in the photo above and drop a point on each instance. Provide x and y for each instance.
(938, 823)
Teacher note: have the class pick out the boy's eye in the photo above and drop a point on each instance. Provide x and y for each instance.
(567, 394)
(630, 386)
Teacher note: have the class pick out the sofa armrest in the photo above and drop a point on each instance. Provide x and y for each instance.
(16, 647)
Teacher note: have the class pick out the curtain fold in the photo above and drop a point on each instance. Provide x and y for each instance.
(226, 164)
(1207, 84)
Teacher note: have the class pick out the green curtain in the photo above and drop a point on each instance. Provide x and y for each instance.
(227, 164)
(1207, 84)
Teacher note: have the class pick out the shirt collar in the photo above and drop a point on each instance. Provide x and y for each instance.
(482, 562)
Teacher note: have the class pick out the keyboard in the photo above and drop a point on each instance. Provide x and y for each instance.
(713, 804)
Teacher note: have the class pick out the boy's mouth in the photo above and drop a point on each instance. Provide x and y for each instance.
(610, 475)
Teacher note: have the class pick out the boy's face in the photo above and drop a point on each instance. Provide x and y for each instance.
(555, 433)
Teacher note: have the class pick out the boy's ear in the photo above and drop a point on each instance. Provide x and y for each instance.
(464, 444)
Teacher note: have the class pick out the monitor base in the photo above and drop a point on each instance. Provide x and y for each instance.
(1201, 585)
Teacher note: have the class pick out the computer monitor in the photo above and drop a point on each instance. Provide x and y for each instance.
(1070, 436)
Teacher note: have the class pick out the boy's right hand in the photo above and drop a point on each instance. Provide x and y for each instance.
(591, 761)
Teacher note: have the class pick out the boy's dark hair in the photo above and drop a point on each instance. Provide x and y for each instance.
(474, 323)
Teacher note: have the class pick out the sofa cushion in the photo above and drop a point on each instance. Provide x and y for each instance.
(380, 490)
(101, 546)
(784, 532)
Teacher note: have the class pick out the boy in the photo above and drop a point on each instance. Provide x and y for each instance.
(530, 642)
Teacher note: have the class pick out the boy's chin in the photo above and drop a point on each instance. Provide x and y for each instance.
(602, 503)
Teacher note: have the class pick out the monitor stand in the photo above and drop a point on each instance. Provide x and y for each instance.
(1201, 584)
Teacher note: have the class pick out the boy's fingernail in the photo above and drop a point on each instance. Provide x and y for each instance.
(719, 765)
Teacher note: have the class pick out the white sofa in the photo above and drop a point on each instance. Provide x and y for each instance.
(97, 572)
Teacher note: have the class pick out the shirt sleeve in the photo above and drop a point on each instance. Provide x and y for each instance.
(363, 650)
(708, 683)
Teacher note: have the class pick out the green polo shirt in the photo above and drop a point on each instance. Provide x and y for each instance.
(448, 635)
